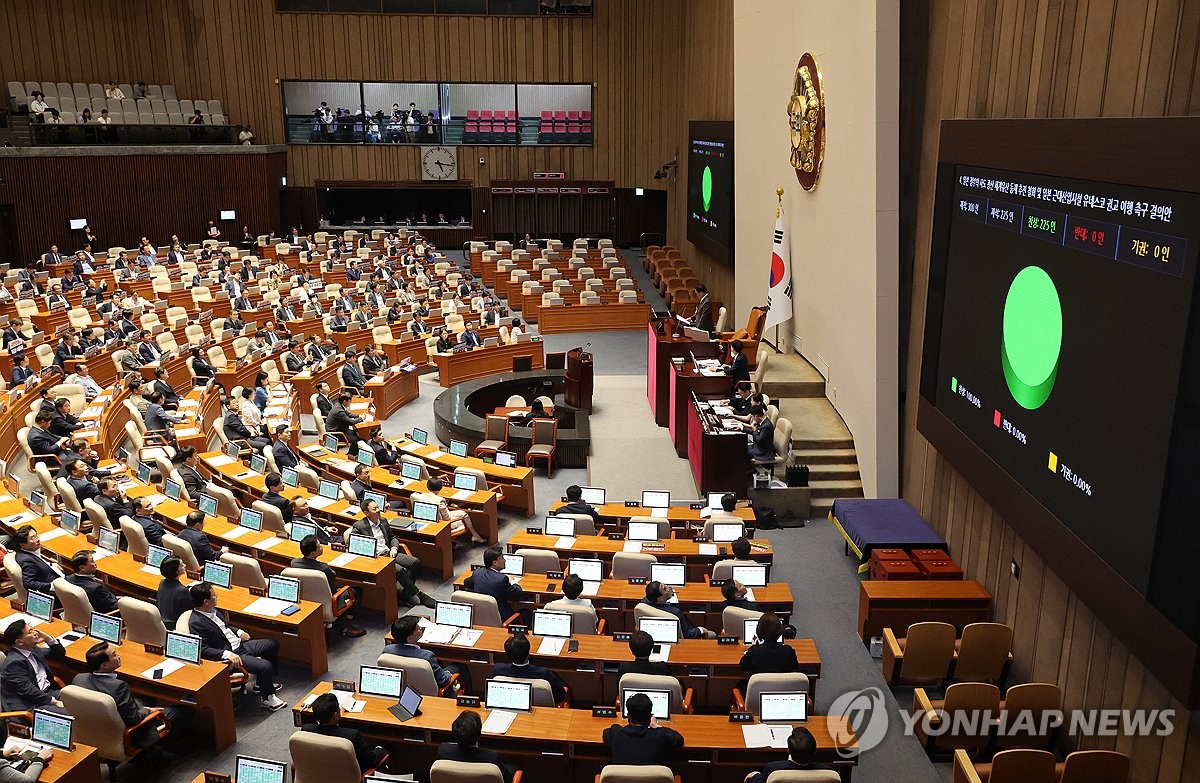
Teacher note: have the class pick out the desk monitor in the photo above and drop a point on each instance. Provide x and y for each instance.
(660, 702)
(750, 630)
(714, 501)
(232, 450)
(364, 546)
(105, 628)
(662, 630)
(39, 605)
(156, 554)
(551, 623)
(656, 498)
(330, 443)
(52, 729)
(301, 531)
(366, 457)
(410, 470)
(593, 496)
(673, 574)
(458, 615)
(751, 575)
(506, 459)
(420, 436)
(172, 489)
(110, 540)
(643, 531)
(559, 526)
(783, 707)
(726, 532)
(251, 519)
(253, 770)
(207, 504)
(143, 472)
(514, 565)
(467, 481)
(258, 463)
(69, 520)
(290, 477)
(37, 499)
(284, 588)
(183, 647)
(378, 497)
(587, 570)
(505, 695)
(458, 448)
(426, 512)
(217, 574)
(328, 489)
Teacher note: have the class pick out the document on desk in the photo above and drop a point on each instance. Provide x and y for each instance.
(498, 722)
(435, 454)
(631, 546)
(267, 607)
(29, 619)
(55, 532)
(147, 569)
(663, 654)
(467, 637)
(343, 560)
(221, 459)
(186, 432)
(750, 594)
(168, 666)
(550, 646)
(275, 410)
(316, 501)
(100, 554)
(24, 516)
(92, 412)
(564, 542)
(756, 735)
(438, 634)
(708, 549)
(589, 588)
(236, 533)
(463, 494)
(155, 499)
(269, 543)
(659, 513)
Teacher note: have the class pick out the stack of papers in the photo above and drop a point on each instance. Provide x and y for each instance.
(343, 560)
(438, 634)
(708, 549)
(591, 588)
(435, 454)
(268, 543)
(221, 459)
(316, 501)
(236, 533)
(168, 666)
(756, 735)
(55, 533)
(462, 494)
(267, 607)
(409, 446)
(498, 722)
(631, 546)
(467, 637)
(659, 513)
(550, 646)
(564, 542)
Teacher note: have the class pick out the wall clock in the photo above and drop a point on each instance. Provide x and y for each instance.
(806, 119)
(439, 163)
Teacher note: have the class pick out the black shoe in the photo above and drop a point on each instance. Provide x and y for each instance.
(426, 601)
(410, 600)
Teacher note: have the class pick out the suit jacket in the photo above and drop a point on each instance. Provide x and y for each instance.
(114, 509)
(440, 674)
(491, 582)
(100, 597)
(475, 755)
(157, 418)
(280, 502)
(470, 337)
(84, 489)
(703, 318)
(213, 643)
(20, 375)
(193, 482)
(580, 508)
(154, 531)
(324, 404)
(235, 428)
(284, 314)
(368, 755)
(373, 366)
(771, 657)
(762, 441)
(363, 528)
(642, 745)
(352, 376)
(384, 455)
(341, 420)
(64, 424)
(739, 368)
(65, 353)
(418, 329)
(149, 352)
(785, 766)
(532, 672)
(173, 600)
(294, 362)
(644, 666)
(201, 548)
(18, 681)
(284, 456)
(686, 628)
(131, 361)
(168, 393)
(36, 573)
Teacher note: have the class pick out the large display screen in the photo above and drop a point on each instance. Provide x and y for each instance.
(710, 184)
(1058, 343)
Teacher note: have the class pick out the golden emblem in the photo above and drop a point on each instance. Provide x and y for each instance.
(806, 118)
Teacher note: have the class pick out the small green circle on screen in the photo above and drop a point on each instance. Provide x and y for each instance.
(706, 187)
(1031, 342)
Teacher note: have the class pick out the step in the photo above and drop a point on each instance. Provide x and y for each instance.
(836, 489)
(793, 388)
(823, 456)
(820, 444)
(829, 471)
(820, 508)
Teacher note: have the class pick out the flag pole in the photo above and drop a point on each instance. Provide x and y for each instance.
(778, 211)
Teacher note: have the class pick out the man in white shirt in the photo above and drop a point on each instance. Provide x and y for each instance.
(572, 588)
(135, 300)
(38, 106)
(83, 377)
(245, 137)
(220, 642)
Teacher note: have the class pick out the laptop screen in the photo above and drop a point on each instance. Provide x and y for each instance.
(661, 630)
(725, 532)
(330, 443)
(363, 546)
(207, 504)
(559, 526)
(232, 450)
(110, 540)
(427, 512)
(378, 497)
(156, 554)
(105, 628)
(467, 481)
(328, 489)
(749, 630)
(420, 436)
(143, 472)
(458, 615)
(551, 624)
(284, 588)
(458, 448)
(587, 570)
(218, 574)
(514, 565)
(258, 463)
(251, 519)
(37, 499)
(301, 531)
(673, 574)
(504, 695)
(643, 531)
(714, 500)
(660, 702)
(751, 575)
(783, 707)
(656, 498)
(171, 489)
(52, 729)
(365, 457)
(290, 477)
(506, 459)
(252, 770)
(39, 605)
(410, 470)
(183, 647)
(70, 520)
(593, 495)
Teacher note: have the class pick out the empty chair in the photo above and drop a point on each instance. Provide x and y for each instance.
(317, 758)
(143, 622)
(447, 771)
(539, 561)
(216, 108)
(76, 608)
(201, 106)
(922, 657)
(663, 525)
(182, 550)
(545, 438)
(1094, 766)
(1007, 766)
(487, 612)
(1024, 701)
(783, 447)
(543, 694)
(984, 653)
(631, 564)
(758, 684)
(246, 570)
(186, 108)
(584, 524)
(966, 698)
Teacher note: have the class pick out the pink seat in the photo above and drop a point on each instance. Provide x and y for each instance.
(510, 126)
(587, 128)
(585, 115)
(547, 115)
(560, 115)
(572, 115)
(485, 115)
(472, 114)
(471, 127)
(512, 114)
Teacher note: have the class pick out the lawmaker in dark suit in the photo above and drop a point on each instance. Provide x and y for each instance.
(26, 681)
(734, 593)
(143, 514)
(21, 371)
(273, 496)
(385, 453)
(77, 477)
(217, 643)
(185, 462)
(236, 429)
(294, 360)
(352, 376)
(339, 419)
(575, 505)
(62, 421)
(103, 661)
(490, 580)
(465, 730)
(406, 632)
(115, 504)
(408, 568)
(802, 747)
(641, 741)
(310, 553)
(641, 644)
(99, 596)
(193, 533)
(173, 598)
(37, 571)
(328, 712)
(516, 647)
(738, 368)
(162, 386)
(284, 456)
(703, 318)
(770, 655)
(762, 434)
(658, 595)
(324, 403)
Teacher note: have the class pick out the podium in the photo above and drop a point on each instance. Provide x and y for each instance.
(580, 380)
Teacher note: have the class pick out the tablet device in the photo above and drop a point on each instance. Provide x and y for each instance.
(105, 628)
(587, 570)
(505, 695)
(363, 546)
(52, 729)
(457, 615)
(593, 496)
(466, 481)
(559, 526)
(183, 647)
(255, 770)
(750, 575)
(727, 532)
(783, 707)
(251, 519)
(660, 702)
(458, 448)
(673, 574)
(207, 504)
(420, 436)
(662, 630)
(656, 498)
(410, 470)
(556, 624)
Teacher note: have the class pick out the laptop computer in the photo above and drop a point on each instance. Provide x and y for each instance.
(660, 702)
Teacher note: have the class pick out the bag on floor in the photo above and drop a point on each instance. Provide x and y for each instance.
(767, 519)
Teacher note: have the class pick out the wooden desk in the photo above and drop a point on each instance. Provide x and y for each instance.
(660, 350)
(680, 517)
(392, 393)
(593, 318)
(458, 367)
(516, 483)
(899, 604)
(686, 381)
(568, 745)
(719, 459)
(80, 764)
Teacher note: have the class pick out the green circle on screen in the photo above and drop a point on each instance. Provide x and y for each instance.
(1032, 337)
(706, 187)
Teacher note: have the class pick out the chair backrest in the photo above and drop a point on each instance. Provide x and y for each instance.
(182, 550)
(928, 651)
(1022, 766)
(1095, 766)
(760, 366)
(246, 571)
(143, 622)
(733, 620)
(314, 586)
(69, 500)
(641, 610)
(630, 564)
(545, 432)
(317, 758)
(708, 526)
(46, 480)
(272, 516)
(722, 319)
(487, 612)
(96, 515)
(447, 771)
(804, 776)
(983, 652)
(495, 428)
(584, 524)
(540, 561)
(14, 575)
(97, 722)
(783, 440)
(583, 618)
(663, 525)
(515, 401)
(417, 672)
(1029, 699)
(543, 694)
(135, 536)
(772, 683)
(968, 698)
(636, 773)
(407, 459)
(654, 682)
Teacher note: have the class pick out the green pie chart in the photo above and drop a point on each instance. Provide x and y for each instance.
(1032, 337)
(706, 187)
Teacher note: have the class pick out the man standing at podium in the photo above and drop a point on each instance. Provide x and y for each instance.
(703, 317)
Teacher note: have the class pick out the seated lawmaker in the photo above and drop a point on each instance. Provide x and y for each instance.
(464, 745)
(491, 580)
(385, 453)
(735, 595)
(642, 741)
(802, 749)
(103, 660)
(575, 504)
(641, 644)
(221, 642)
(769, 654)
(406, 632)
(572, 588)
(658, 595)
(83, 576)
(327, 711)
(516, 649)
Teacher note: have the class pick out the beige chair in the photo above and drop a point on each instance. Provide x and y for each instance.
(584, 524)
(583, 618)
(447, 771)
(1024, 701)
(627, 297)
(69, 500)
(760, 368)
(641, 610)
(176, 317)
(182, 550)
(733, 619)
(631, 564)
(195, 336)
(79, 317)
(96, 515)
(804, 776)
(984, 653)
(44, 354)
(758, 684)
(166, 343)
(722, 319)
(97, 723)
(962, 698)
(246, 571)
(922, 657)
(1007, 766)
(636, 773)
(539, 561)
(783, 447)
(48, 486)
(543, 694)
(681, 700)
(708, 526)
(272, 517)
(418, 674)
(663, 526)
(516, 401)
(14, 576)
(135, 536)
(317, 758)
(1094, 766)
(487, 612)
(314, 586)
(143, 622)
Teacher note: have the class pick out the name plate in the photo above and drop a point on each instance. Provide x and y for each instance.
(616, 536)
(621, 636)
(515, 630)
(604, 712)
(467, 701)
(727, 640)
(533, 531)
(637, 580)
(741, 717)
(633, 504)
(555, 574)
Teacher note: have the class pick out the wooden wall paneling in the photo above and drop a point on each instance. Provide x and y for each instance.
(1052, 632)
